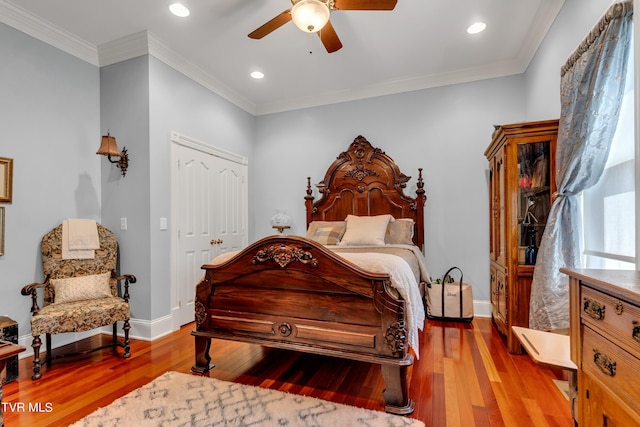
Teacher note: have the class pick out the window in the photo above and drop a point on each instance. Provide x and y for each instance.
(609, 206)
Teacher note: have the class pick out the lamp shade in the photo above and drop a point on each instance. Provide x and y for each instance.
(108, 146)
(310, 15)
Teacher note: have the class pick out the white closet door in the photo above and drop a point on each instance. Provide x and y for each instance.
(211, 217)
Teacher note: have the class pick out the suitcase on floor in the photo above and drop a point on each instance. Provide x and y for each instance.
(450, 300)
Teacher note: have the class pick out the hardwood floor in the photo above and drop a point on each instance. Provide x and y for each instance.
(464, 378)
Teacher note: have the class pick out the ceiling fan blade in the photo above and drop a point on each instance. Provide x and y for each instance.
(365, 4)
(329, 38)
(272, 25)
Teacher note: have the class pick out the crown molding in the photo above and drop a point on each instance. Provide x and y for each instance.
(124, 48)
(540, 26)
(18, 18)
(185, 66)
(145, 43)
(408, 84)
(132, 46)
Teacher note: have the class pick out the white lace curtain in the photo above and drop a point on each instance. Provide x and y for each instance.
(591, 90)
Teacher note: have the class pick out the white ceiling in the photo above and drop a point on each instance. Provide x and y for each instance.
(420, 44)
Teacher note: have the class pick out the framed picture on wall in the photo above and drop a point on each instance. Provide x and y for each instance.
(1, 230)
(6, 178)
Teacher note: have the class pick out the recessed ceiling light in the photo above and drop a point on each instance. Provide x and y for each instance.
(179, 9)
(257, 75)
(476, 28)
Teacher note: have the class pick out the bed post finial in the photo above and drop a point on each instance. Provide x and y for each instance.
(308, 201)
(421, 199)
(420, 184)
(309, 187)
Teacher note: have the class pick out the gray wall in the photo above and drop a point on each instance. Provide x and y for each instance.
(146, 100)
(54, 107)
(572, 25)
(444, 131)
(124, 112)
(181, 105)
(49, 116)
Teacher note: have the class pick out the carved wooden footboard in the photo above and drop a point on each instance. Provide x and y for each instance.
(293, 293)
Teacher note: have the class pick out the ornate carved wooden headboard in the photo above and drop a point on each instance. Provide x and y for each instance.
(365, 181)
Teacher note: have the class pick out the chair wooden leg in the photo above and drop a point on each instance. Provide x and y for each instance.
(37, 342)
(49, 356)
(114, 337)
(127, 349)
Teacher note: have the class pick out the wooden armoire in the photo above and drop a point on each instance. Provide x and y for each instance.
(521, 184)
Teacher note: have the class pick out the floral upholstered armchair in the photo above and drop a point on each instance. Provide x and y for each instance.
(78, 294)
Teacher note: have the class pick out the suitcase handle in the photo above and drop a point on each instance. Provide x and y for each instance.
(444, 283)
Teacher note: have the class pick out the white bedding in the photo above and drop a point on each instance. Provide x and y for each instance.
(403, 280)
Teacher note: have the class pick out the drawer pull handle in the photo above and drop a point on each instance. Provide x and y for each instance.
(618, 307)
(636, 331)
(594, 309)
(604, 362)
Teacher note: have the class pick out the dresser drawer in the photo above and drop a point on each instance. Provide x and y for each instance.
(616, 318)
(612, 366)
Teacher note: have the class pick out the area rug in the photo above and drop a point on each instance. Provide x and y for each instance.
(176, 399)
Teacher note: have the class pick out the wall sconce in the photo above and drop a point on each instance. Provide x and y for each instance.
(281, 221)
(108, 147)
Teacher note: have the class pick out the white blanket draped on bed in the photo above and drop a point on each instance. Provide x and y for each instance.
(403, 280)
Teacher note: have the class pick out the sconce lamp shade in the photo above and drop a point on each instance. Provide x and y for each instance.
(108, 147)
(310, 15)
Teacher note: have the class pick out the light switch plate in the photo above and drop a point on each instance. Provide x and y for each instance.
(123, 223)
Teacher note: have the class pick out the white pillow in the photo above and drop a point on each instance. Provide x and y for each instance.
(365, 230)
(82, 288)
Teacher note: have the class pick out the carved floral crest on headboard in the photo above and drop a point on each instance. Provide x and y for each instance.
(364, 180)
(354, 163)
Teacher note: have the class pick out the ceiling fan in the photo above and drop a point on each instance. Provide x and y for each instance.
(312, 16)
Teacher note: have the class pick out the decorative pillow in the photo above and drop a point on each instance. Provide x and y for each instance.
(400, 232)
(366, 230)
(329, 234)
(82, 288)
(315, 225)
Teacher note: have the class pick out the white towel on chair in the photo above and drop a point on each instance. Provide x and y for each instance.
(79, 239)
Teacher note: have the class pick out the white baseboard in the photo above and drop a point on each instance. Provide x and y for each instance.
(146, 330)
(482, 308)
(149, 330)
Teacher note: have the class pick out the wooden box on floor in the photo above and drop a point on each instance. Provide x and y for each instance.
(9, 332)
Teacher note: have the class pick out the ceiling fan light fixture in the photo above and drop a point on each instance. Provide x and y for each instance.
(310, 15)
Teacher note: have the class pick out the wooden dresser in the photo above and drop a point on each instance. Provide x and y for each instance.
(605, 346)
